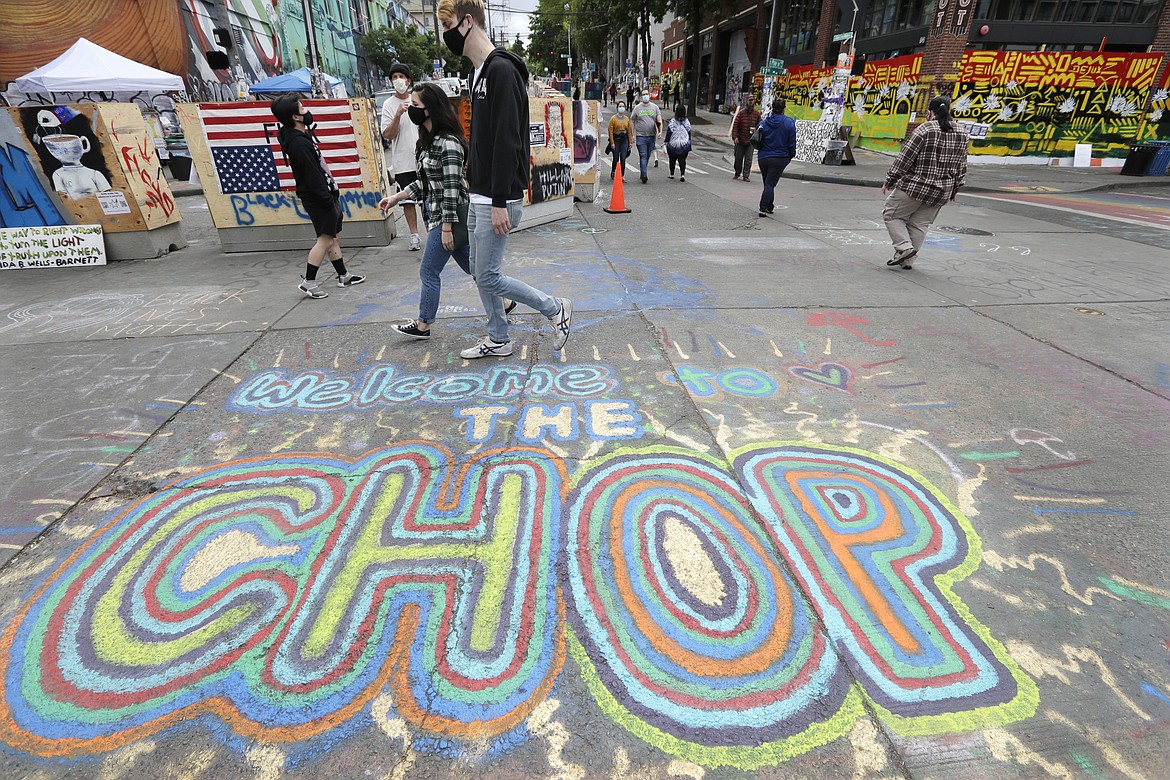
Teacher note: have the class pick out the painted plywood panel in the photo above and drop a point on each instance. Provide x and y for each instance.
(245, 180)
(98, 162)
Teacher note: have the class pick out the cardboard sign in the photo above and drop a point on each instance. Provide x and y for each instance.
(52, 247)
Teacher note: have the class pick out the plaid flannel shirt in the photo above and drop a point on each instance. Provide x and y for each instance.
(440, 181)
(932, 165)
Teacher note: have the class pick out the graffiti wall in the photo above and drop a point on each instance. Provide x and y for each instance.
(804, 89)
(89, 164)
(246, 181)
(880, 101)
(336, 38)
(551, 138)
(586, 135)
(35, 33)
(1041, 104)
(256, 26)
(1157, 125)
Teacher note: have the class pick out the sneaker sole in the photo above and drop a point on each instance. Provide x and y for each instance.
(351, 284)
(419, 336)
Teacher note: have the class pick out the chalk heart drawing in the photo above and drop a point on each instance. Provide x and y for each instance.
(278, 596)
(832, 375)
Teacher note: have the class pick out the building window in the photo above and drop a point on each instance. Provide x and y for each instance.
(1079, 11)
(887, 16)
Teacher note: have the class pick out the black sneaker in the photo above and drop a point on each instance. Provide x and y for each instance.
(411, 329)
(644, 179)
(511, 305)
(349, 280)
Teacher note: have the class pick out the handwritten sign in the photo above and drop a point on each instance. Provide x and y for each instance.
(52, 247)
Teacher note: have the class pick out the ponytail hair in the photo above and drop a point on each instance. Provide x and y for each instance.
(940, 106)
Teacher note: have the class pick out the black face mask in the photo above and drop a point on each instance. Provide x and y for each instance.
(416, 114)
(307, 119)
(455, 40)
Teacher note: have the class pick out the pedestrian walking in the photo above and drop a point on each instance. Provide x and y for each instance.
(442, 187)
(620, 133)
(777, 148)
(498, 175)
(612, 92)
(630, 94)
(745, 123)
(403, 138)
(647, 119)
(678, 93)
(678, 142)
(317, 190)
(927, 173)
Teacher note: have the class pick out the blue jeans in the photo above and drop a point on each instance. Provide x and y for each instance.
(645, 149)
(487, 260)
(434, 259)
(770, 170)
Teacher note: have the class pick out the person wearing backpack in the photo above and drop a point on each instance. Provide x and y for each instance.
(678, 141)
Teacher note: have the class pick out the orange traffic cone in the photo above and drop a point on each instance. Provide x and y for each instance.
(617, 198)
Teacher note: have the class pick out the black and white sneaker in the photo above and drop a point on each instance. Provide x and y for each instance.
(901, 256)
(509, 306)
(312, 289)
(487, 348)
(349, 280)
(411, 329)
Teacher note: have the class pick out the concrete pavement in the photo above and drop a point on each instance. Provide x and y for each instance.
(775, 511)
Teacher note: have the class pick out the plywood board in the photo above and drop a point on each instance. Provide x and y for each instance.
(247, 194)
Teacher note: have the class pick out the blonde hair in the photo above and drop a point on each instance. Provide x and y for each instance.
(453, 10)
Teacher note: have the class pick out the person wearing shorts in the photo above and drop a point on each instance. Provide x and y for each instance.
(317, 190)
(402, 134)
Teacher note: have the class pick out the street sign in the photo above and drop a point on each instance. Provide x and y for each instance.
(842, 37)
(565, 56)
(775, 63)
(771, 71)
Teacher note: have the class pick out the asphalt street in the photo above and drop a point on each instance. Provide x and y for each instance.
(776, 510)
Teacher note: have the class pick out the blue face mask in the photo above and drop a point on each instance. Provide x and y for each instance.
(621, 109)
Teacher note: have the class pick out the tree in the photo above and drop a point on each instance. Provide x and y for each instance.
(548, 37)
(400, 43)
(694, 11)
(417, 51)
(517, 47)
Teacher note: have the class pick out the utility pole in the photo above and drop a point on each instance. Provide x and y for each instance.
(772, 28)
(316, 78)
(569, 21)
(438, 32)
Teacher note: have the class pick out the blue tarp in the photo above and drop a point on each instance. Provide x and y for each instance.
(297, 81)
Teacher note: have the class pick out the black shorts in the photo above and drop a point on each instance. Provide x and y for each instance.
(325, 215)
(404, 180)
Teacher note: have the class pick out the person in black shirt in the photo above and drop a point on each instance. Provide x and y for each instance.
(317, 190)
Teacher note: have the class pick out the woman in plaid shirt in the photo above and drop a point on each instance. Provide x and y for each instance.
(442, 189)
(929, 171)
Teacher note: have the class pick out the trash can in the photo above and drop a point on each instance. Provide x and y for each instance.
(834, 152)
(180, 161)
(1161, 161)
(1138, 160)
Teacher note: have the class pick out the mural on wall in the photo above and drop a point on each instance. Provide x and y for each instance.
(27, 197)
(150, 33)
(99, 161)
(257, 46)
(880, 101)
(1042, 104)
(336, 39)
(805, 89)
(1157, 124)
(552, 148)
(586, 115)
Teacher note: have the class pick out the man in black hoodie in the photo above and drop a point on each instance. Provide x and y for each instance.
(497, 171)
(316, 189)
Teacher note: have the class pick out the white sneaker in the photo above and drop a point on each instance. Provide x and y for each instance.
(312, 289)
(487, 348)
(415, 243)
(561, 324)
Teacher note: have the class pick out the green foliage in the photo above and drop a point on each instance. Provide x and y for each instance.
(402, 43)
(517, 47)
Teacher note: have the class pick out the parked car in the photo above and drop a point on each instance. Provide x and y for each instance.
(452, 86)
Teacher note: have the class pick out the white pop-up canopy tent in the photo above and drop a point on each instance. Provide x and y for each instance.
(87, 67)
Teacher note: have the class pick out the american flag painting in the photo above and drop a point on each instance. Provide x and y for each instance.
(245, 147)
